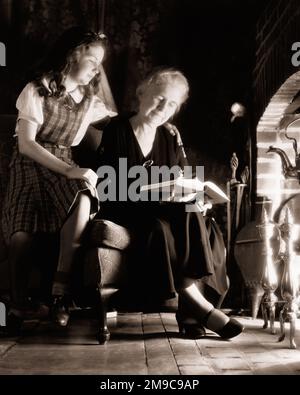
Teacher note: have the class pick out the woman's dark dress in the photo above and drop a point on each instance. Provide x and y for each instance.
(173, 243)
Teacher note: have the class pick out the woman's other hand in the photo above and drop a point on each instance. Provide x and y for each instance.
(174, 132)
(85, 174)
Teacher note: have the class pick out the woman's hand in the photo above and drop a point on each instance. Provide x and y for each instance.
(174, 132)
(87, 175)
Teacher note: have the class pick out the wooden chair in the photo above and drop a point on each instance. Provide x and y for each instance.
(104, 250)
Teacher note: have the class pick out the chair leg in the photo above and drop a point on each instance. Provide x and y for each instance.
(103, 334)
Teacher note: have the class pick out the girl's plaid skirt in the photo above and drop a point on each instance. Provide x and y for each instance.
(38, 199)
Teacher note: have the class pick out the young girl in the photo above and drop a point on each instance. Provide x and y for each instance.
(47, 191)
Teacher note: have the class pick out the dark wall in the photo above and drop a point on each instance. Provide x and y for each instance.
(213, 43)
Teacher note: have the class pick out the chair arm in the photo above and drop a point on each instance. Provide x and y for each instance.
(104, 233)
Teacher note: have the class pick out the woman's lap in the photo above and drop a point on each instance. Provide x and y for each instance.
(171, 243)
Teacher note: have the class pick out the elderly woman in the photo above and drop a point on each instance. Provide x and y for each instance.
(174, 243)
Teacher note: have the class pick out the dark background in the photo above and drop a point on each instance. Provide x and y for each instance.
(212, 42)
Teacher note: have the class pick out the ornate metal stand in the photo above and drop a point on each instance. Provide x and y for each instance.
(267, 231)
(289, 282)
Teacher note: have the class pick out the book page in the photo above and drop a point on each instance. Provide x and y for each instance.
(215, 193)
(188, 189)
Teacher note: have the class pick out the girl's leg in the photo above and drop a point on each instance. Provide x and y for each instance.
(19, 261)
(20, 266)
(70, 241)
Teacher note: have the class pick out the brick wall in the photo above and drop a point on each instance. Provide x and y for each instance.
(276, 83)
(277, 29)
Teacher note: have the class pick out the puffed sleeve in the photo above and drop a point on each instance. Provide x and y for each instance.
(100, 110)
(30, 105)
(96, 112)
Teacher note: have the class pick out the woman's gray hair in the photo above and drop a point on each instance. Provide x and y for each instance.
(165, 76)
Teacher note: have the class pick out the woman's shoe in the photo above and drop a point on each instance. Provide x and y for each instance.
(230, 329)
(189, 330)
(60, 311)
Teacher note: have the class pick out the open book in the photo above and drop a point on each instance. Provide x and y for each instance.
(187, 189)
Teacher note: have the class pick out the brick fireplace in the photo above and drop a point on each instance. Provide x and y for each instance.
(276, 86)
(271, 182)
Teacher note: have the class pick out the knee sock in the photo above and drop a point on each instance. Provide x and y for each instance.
(70, 242)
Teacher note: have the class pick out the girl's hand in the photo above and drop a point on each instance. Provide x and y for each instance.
(87, 175)
(174, 132)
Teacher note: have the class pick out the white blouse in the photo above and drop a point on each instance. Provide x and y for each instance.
(30, 108)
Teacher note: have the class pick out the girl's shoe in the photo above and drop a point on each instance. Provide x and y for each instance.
(103, 335)
(36, 311)
(16, 315)
(60, 311)
(13, 326)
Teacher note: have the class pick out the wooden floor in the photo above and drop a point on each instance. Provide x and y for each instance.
(146, 344)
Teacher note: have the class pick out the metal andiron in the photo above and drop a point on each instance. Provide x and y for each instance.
(267, 232)
(289, 282)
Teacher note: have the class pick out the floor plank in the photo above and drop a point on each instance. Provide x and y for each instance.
(159, 355)
(143, 344)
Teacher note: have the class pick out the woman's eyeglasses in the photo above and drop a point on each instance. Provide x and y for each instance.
(148, 163)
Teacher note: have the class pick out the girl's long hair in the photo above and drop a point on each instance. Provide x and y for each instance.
(66, 53)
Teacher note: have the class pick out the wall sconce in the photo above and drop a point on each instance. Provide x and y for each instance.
(237, 110)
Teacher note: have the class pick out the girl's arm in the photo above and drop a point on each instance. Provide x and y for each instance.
(30, 148)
